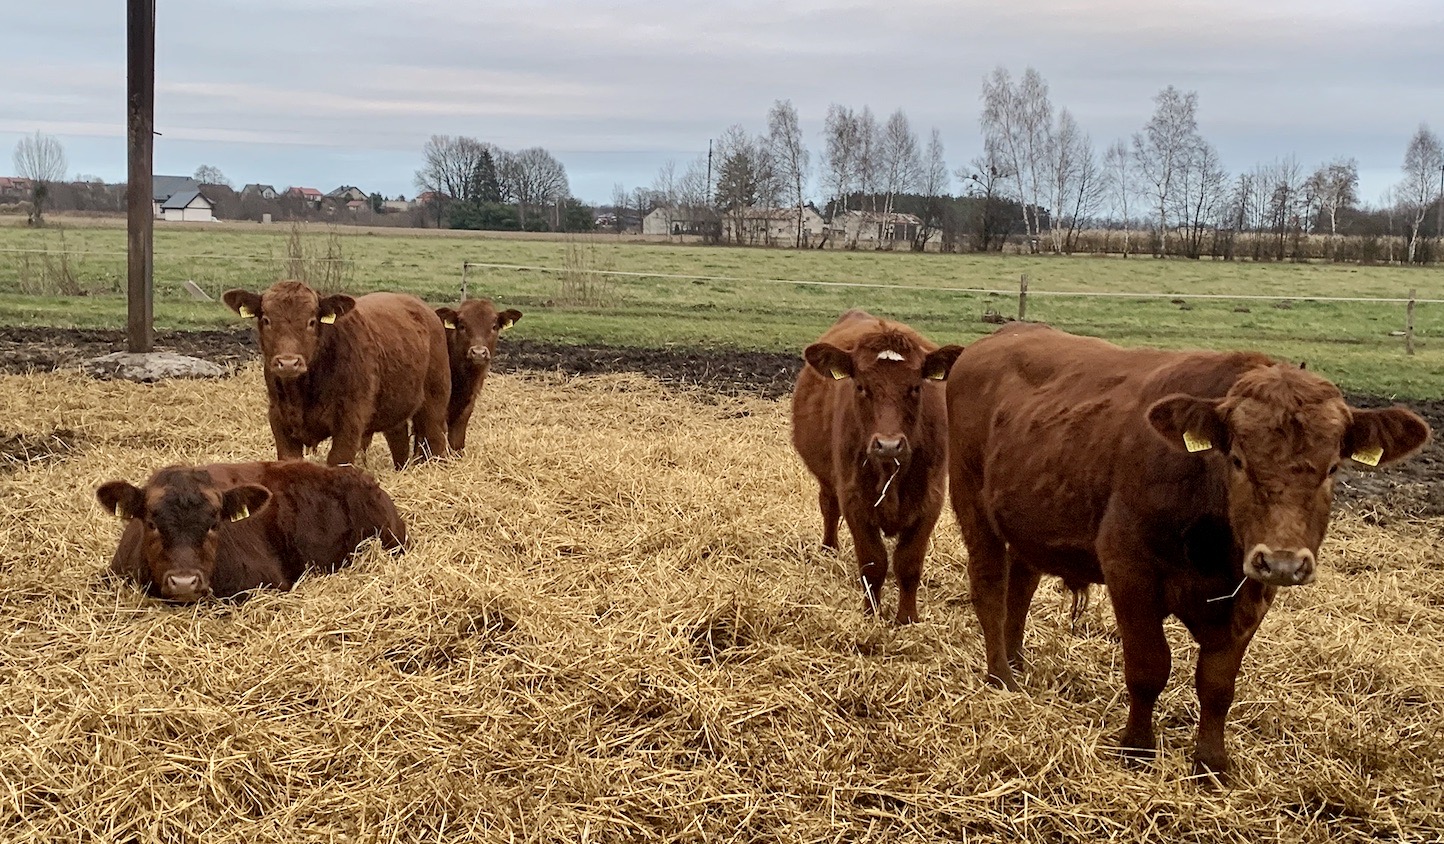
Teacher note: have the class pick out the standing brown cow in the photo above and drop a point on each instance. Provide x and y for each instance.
(344, 368)
(1192, 484)
(868, 418)
(471, 332)
(219, 530)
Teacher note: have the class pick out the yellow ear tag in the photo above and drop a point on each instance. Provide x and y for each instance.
(329, 319)
(120, 512)
(243, 513)
(838, 375)
(509, 323)
(1196, 442)
(451, 324)
(1369, 456)
(246, 312)
(937, 375)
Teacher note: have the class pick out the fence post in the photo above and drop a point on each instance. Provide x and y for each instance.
(464, 265)
(1409, 323)
(1023, 297)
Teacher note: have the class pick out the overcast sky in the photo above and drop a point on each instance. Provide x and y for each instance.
(319, 94)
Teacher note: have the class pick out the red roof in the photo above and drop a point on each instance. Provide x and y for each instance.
(309, 193)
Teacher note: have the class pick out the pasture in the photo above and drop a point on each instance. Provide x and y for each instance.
(763, 299)
(614, 624)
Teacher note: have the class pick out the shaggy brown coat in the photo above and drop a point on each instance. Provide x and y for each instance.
(1192, 484)
(223, 529)
(471, 333)
(869, 420)
(344, 368)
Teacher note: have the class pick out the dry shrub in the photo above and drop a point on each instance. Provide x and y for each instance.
(583, 282)
(614, 624)
(320, 264)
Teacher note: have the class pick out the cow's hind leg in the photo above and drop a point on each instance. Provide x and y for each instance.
(398, 440)
(988, 583)
(1022, 583)
(831, 514)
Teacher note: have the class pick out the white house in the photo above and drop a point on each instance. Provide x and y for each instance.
(777, 226)
(873, 227)
(187, 206)
(678, 221)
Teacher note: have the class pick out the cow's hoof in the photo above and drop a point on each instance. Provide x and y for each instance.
(1211, 773)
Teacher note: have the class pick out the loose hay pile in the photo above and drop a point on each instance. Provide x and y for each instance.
(614, 624)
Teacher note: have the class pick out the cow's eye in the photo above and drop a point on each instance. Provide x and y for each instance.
(863, 392)
(265, 322)
(1237, 461)
(1333, 469)
(915, 390)
(311, 324)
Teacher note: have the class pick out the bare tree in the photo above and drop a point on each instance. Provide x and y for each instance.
(1074, 181)
(985, 180)
(532, 179)
(839, 165)
(1423, 169)
(932, 185)
(1118, 167)
(1159, 148)
(620, 202)
(1336, 185)
(208, 175)
(41, 159)
(790, 154)
(898, 166)
(1199, 194)
(746, 180)
(1018, 120)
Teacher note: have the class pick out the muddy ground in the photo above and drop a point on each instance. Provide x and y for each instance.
(1411, 489)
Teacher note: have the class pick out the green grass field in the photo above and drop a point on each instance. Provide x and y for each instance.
(773, 299)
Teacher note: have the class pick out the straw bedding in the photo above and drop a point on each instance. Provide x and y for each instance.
(615, 624)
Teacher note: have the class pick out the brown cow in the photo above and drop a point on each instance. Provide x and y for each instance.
(869, 419)
(1192, 484)
(471, 332)
(344, 368)
(226, 528)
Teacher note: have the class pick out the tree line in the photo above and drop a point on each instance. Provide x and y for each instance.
(470, 184)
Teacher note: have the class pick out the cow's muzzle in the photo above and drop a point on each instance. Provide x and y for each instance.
(887, 448)
(1280, 566)
(184, 586)
(479, 355)
(288, 366)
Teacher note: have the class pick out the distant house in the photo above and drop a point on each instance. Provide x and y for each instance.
(873, 227)
(310, 195)
(680, 221)
(187, 206)
(395, 206)
(162, 188)
(429, 197)
(258, 191)
(349, 193)
(771, 225)
(14, 187)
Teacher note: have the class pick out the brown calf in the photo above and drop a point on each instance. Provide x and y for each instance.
(868, 418)
(222, 529)
(1192, 484)
(471, 332)
(344, 368)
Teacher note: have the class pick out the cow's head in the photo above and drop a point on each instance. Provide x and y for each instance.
(1280, 434)
(293, 320)
(886, 376)
(182, 513)
(472, 329)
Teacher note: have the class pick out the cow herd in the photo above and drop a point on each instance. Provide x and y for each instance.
(1192, 484)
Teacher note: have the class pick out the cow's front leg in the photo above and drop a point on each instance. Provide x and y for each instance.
(871, 561)
(287, 446)
(1220, 654)
(907, 564)
(1145, 664)
(345, 444)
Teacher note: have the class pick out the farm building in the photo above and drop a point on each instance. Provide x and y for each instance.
(770, 225)
(162, 188)
(187, 206)
(872, 227)
(679, 221)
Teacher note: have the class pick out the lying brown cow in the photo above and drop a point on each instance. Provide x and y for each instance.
(218, 530)
(344, 368)
(1192, 484)
(868, 418)
(471, 332)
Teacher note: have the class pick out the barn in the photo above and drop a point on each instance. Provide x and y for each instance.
(187, 206)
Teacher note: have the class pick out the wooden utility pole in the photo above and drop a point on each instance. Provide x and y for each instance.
(140, 111)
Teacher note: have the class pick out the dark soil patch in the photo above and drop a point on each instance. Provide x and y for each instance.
(20, 450)
(1413, 488)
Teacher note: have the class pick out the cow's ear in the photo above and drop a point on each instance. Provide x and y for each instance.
(245, 303)
(1380, 437)
(334, 306)
(507, 318)
(448, 317)
(122, 499)
(937, 364)
(1189, 423)
(242, 502)
(829, 360)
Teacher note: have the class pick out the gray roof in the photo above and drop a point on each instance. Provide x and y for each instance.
(182, 199)
(164, 187)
